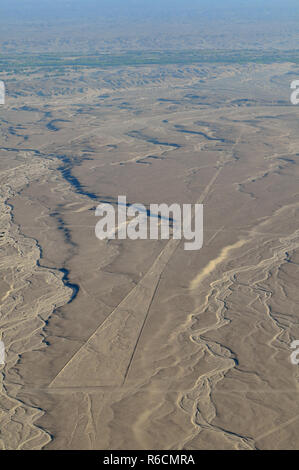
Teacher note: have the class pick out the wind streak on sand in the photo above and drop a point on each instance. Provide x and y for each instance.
(209, 268)
(199, 401)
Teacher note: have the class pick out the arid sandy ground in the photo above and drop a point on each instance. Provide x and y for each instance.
(140, 344)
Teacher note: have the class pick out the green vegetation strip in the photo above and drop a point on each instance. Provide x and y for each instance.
(139, 58)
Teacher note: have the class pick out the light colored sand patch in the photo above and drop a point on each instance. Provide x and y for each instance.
(212, 265)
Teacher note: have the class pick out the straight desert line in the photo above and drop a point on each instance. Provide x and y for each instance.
(113, 324)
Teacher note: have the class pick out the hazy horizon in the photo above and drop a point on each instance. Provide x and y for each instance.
(55, 10)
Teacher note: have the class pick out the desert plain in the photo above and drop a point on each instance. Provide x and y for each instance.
(140, 344)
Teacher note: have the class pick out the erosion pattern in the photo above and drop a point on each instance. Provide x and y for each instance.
(141, 344)
(23, 315)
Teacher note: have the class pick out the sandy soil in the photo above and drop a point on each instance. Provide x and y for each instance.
(141, 344)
